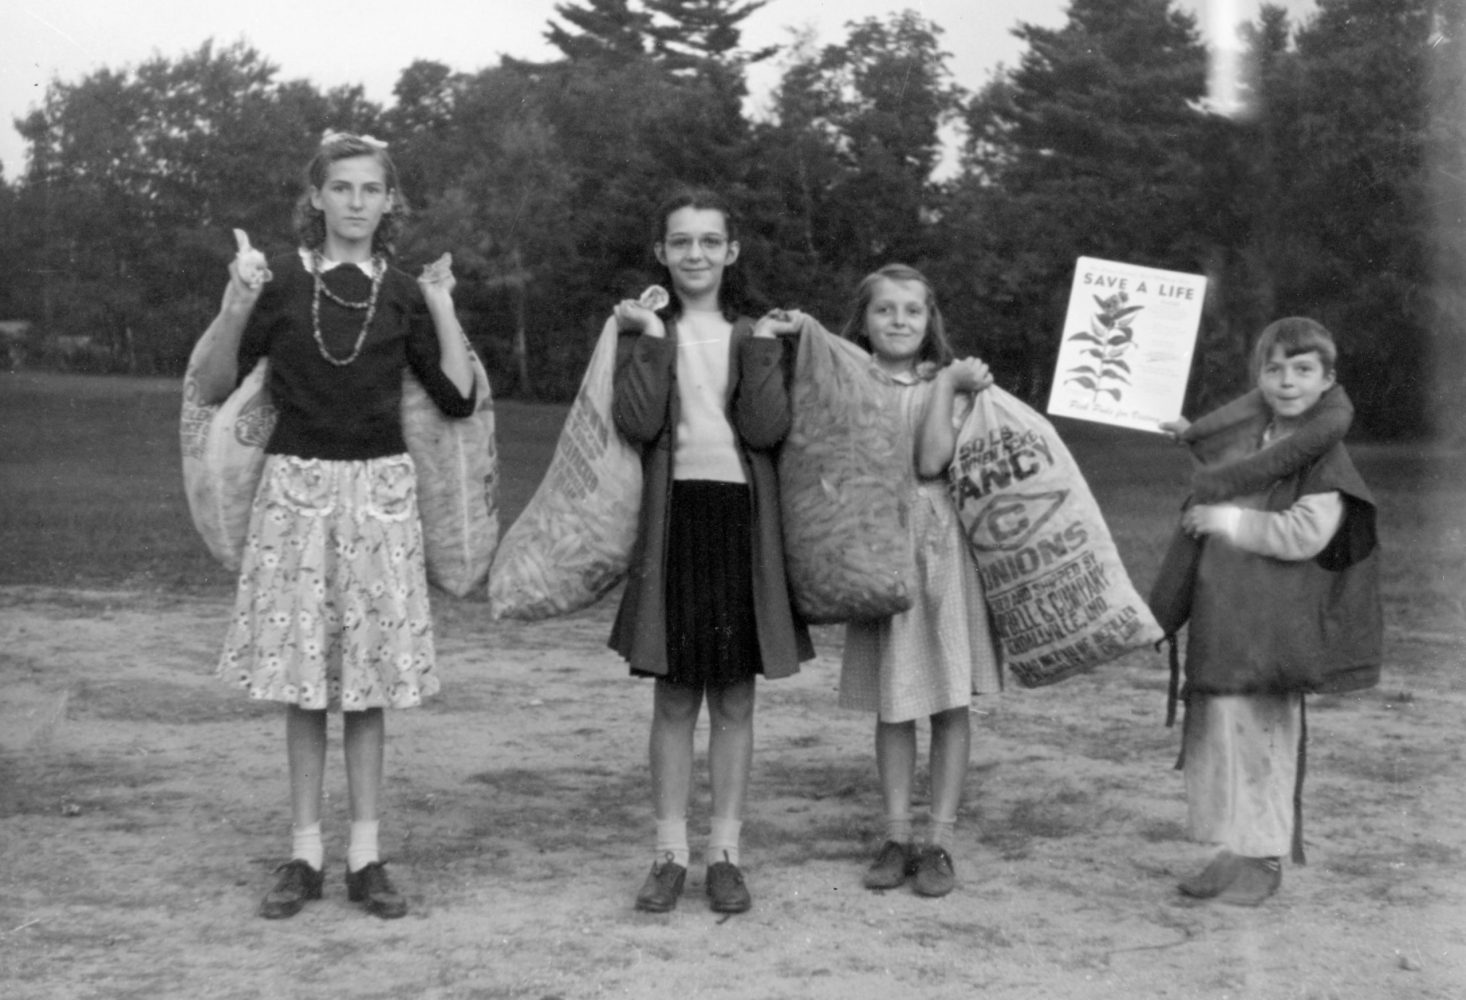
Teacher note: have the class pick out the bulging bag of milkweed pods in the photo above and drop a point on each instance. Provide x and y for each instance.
(573, 542)
(844, 487)
(457, 465)
(223, 457)
(1059, 597)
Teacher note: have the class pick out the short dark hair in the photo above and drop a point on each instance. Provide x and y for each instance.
(310, 222)
(935, 346)
(1295, 335)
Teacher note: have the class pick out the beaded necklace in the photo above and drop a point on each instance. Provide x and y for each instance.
(379, 270)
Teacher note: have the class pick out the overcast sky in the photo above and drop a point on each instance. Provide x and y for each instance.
(371, 41)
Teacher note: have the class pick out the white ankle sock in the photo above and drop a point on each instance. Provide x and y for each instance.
(723, 840)
(943, 833)
(362, 850)
(305, 844)
(672, 839)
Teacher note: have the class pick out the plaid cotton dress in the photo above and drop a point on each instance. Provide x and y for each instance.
(936, 655)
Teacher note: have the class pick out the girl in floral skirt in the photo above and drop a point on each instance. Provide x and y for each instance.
(332, 607)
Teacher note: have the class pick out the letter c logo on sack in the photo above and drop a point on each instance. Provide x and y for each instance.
(1011, 520)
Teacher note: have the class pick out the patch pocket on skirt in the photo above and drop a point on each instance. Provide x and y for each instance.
(306, 486)
(391, 488)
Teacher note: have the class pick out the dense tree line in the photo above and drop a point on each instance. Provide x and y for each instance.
(1341, 193)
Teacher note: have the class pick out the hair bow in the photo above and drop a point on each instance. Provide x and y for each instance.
(330, 137)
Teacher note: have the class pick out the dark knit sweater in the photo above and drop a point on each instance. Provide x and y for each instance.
(350, 412)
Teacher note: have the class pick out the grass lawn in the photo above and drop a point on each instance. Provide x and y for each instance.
(91, 494)
(91, 487)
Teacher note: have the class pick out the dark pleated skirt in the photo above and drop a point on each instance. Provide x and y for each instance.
(712, 637)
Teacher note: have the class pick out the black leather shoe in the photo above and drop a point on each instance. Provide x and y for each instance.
(298, 883)
(371, 887)
(727, 892)
(663, 886)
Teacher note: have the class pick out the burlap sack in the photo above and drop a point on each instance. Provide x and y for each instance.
(845, 483)
(457, 471)
(1059, 596)
(573, 542)
(224, 457)
(457, 465)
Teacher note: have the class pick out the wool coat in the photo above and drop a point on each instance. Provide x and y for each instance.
(1259, 624)
(645, 409)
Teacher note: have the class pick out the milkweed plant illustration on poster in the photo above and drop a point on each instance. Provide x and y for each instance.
(1125, 347)
(1110, 337)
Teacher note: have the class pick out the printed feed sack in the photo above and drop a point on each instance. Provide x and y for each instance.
(845, 478)
(573, 542)
(1059, 596)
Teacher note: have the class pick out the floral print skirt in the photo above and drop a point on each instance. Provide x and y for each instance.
(332, 608)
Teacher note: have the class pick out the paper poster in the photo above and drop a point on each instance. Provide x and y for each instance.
(1128, 339)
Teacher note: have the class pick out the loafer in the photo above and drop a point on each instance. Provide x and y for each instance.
(1216, 876)
(371, 887)
(727, 892)
(1257, 879)
(298, 883)
(893, 864)
(662, 888)
(934, 873)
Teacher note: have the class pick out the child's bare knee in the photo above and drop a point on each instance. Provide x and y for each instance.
(675, 703)
(731, 706)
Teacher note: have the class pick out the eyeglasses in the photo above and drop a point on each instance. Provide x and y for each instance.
(711, 243)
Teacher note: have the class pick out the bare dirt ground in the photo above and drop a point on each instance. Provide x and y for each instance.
(143, 807)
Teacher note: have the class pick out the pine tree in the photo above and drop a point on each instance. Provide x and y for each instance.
(612, 31)
(1090, 147)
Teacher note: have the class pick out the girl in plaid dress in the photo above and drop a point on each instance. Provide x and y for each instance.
(928, 661)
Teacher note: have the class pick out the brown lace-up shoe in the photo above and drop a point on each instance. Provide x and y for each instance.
(727, 892)
(892, 865)
(371, 887)
(298, 883)
(934, 873)
(1216, 876)
(1257, 879)
(662, 888)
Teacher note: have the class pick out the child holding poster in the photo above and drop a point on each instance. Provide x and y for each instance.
(1284, 601)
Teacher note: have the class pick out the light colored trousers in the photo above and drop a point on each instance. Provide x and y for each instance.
(1241, 767)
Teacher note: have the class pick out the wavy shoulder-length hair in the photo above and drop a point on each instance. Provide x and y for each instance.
(935, 347)
(310, 222)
